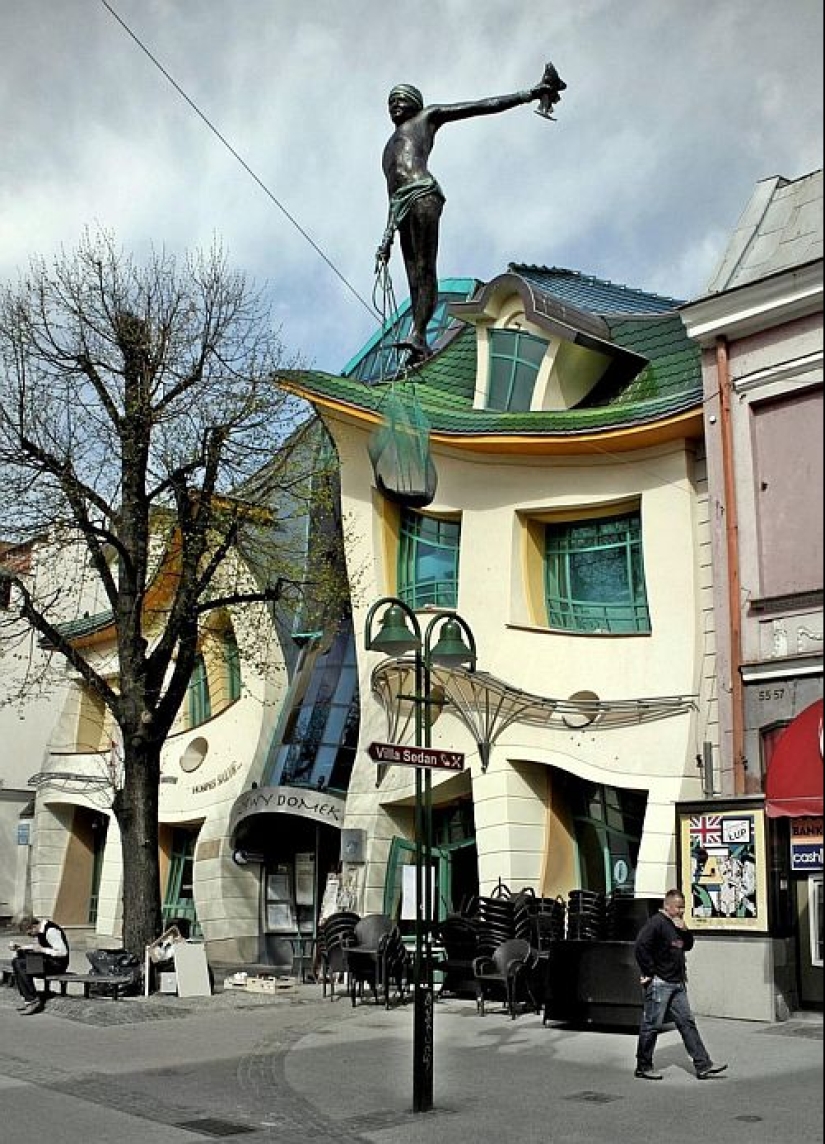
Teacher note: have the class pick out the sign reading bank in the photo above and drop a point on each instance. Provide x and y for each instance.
(806, 845)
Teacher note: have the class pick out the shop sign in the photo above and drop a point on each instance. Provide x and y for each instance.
(806, 845)
(299, 801)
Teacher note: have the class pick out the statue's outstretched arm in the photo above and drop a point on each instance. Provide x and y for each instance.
(548, 90)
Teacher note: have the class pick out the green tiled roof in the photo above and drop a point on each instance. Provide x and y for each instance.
(597, 295)
(670, 383)
(85, 625)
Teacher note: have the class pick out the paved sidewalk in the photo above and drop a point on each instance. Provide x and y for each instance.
(294, 1068)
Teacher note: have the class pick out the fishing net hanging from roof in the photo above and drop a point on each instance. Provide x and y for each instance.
(400, 450)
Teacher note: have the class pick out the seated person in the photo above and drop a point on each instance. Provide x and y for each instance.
(52, 943)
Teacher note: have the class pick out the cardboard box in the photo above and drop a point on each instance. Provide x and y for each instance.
(167, 983)
(260, 984)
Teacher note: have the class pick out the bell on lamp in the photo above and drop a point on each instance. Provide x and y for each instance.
(395, 636)
(451, 650)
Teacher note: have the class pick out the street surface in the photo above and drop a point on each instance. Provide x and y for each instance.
(295, 1068)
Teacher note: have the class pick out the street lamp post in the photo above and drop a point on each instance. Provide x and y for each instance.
(400, 633)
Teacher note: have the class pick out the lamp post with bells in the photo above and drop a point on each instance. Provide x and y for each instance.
(400, 633)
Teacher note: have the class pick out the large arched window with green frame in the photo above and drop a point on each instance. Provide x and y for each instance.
(594, 575)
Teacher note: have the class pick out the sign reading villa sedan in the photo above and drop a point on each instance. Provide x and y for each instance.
(391, 753)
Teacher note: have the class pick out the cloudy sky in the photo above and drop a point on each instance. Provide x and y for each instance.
(674, 110)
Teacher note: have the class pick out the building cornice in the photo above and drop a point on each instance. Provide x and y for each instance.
(622, 440)
(756, 306)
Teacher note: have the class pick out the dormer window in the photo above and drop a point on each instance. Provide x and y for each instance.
(515, 358)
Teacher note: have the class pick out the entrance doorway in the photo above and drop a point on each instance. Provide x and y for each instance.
(179, 898)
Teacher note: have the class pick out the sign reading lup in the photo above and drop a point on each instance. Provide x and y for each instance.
(391, 753)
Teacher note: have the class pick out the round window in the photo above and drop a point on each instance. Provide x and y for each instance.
(194, 755)
(581, 709)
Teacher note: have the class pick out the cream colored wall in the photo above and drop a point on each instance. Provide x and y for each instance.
(50, 841)
(237, 738)
(676, 659)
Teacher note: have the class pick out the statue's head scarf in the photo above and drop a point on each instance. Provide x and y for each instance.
(409, 92)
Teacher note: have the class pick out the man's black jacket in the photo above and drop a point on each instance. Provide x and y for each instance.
(661, 948)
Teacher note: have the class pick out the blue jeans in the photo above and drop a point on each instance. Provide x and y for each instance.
(668, 1001)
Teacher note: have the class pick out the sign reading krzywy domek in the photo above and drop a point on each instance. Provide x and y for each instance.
(320, 806)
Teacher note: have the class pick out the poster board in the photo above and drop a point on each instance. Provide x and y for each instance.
(408, 900)
(191, 969)
(305, 879)
(329, 902)
(280, 904)
(723, 865)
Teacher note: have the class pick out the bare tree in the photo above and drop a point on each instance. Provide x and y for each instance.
(139, 420)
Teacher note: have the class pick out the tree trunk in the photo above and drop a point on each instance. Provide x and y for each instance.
(136, 810)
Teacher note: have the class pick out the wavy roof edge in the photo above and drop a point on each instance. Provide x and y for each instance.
(656, 375)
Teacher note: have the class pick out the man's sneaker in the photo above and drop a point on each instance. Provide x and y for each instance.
(709, 1071)
(648, 1074)
(31, 1008)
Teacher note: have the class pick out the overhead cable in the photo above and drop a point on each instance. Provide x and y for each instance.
(240, 159)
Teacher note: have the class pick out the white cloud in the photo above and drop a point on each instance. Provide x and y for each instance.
(673, 112)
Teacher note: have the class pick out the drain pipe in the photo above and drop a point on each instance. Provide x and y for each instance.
(732, 553)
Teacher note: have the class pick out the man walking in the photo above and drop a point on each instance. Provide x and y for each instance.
(660, 950)
(52, 944)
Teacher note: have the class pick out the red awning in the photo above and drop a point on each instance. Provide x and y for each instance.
(793, 785)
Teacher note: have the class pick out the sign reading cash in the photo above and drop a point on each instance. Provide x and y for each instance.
(389, 754)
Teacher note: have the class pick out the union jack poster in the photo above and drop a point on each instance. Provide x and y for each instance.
(706, 829)
(722, 864)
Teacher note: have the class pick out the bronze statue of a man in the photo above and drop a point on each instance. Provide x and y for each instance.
(416, 199)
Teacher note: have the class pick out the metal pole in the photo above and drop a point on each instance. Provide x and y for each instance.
(422, 995)
(428, 866)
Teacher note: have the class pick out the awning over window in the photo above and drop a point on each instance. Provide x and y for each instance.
(793, 785)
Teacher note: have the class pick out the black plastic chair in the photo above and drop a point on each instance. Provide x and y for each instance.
(335, 935)
(508, 973)
(365, 954)
(459, 937)
(395, 965)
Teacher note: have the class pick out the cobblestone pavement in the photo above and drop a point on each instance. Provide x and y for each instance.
(217, 1089)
